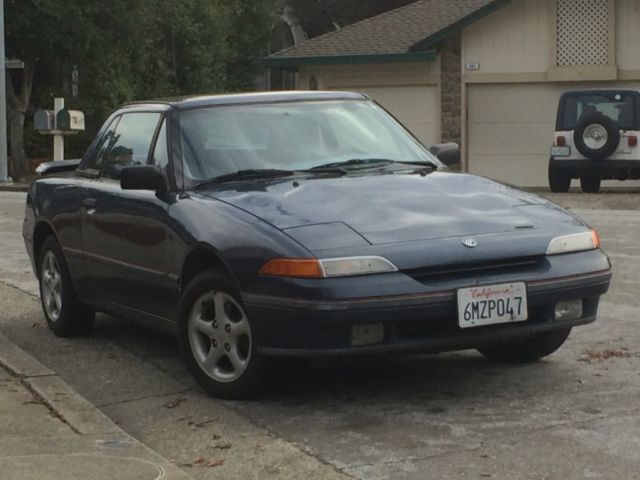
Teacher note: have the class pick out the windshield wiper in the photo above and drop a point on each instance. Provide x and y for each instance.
(370, 162)
(254, 173)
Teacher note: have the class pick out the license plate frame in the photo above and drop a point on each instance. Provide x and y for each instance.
(492, 305)
(561, 151)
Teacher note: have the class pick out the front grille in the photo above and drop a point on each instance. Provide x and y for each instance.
(494, 267)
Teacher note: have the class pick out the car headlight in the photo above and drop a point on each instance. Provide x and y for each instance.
(576, 242)
(327, 267)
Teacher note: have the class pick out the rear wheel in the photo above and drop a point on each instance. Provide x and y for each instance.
(216, 339)
(527, 350)
(65, 314)
(590, 183)
(559, 182)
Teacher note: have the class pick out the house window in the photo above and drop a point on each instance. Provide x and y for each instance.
(582, 32)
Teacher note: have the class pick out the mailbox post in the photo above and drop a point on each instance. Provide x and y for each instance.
(58, 122)
(58, 139)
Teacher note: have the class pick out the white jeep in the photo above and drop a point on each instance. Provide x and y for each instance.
(596, 139)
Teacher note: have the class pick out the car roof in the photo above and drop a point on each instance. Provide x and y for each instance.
(196, 101)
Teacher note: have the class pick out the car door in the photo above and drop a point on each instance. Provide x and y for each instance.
(125, 232)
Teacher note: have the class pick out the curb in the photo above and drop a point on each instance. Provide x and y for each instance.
(67, 404)
(14, 187)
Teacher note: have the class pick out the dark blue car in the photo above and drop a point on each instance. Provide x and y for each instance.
(301, 224)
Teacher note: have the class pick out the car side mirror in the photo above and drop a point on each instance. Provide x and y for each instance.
(447, 153)
(142, 177)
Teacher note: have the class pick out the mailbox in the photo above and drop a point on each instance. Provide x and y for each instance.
(70, 120)
(44, 120)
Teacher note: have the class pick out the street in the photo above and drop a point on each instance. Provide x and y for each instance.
(574, 415)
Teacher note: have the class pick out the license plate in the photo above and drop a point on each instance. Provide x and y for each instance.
(492, 304)
(561, 151)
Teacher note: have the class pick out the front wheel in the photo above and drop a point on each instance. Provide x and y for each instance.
(65, 314)
(217, 341)
(590, 183)
(527, 350)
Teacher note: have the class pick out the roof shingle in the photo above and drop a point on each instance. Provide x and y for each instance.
(393, 32)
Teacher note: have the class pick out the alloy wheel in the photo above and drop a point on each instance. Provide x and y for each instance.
(220, 336)
(51, 286)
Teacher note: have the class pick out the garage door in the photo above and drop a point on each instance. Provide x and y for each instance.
(510, 131)
(415, 106)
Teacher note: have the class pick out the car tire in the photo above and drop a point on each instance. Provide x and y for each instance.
(559, 182)
(66, 316)
(590, 183)
(216, 339)
(527, 350)
(599, 122)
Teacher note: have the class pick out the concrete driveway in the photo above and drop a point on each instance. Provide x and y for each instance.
(574, 415)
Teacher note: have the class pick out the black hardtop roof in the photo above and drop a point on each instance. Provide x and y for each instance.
(596, 91)
(196, 101)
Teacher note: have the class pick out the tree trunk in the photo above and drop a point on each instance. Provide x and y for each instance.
(17, 106)
(18, 162)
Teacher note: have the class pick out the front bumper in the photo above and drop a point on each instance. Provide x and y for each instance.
(415, 323)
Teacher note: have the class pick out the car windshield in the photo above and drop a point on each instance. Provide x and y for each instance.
(618, 106)
(219, 141)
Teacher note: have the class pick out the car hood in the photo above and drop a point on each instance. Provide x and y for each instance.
(392, 208)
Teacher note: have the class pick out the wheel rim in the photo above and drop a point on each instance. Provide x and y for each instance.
(220, 336)
(595, 136)
(51, 286)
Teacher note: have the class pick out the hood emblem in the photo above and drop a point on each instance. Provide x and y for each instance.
(470, 243)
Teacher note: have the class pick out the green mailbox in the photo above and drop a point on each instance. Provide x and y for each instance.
(70, 120)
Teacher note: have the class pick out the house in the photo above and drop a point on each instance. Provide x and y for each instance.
(484, 73)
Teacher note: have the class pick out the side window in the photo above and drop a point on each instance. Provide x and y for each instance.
(161, 152)
(129, 145)
(103, 146)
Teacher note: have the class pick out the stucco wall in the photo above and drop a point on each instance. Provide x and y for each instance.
(628, 37)
(515, 39)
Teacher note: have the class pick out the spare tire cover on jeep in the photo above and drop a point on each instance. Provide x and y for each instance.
(596, 136)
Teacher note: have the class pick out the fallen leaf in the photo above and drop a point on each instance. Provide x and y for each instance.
(591, 356)
(175, 403)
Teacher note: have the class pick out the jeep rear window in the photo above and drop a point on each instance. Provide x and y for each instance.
(618, 106)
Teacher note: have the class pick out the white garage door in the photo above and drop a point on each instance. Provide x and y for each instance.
(415, 106)
(510, 131)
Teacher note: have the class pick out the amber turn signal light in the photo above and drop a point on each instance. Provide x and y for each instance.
(596, 238)
(297, 268)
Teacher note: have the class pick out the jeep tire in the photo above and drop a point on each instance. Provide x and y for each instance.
(590, 183)
(559, 181)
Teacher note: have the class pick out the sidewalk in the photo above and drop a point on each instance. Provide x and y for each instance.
(48, 431)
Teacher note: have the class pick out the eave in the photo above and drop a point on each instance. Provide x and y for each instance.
(293, 63)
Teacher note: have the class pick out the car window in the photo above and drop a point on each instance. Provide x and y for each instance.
(218, 141)
(103, 145)
(161, 152)
(128, 145)
(618, 106)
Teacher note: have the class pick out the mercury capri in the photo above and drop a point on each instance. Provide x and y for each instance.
(301, 224)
